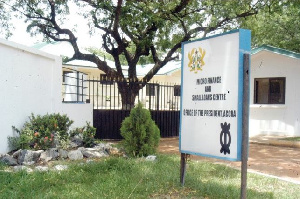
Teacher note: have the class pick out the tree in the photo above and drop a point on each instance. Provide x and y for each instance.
(6, 26)
(277, 24)
(135, 29)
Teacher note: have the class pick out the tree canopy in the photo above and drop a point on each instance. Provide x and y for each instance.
(131, 30)
(5, 29)
(277, 25)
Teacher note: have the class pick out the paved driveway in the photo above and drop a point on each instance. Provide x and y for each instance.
(282, 162)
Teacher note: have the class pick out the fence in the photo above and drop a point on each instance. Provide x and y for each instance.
(104, 94)
(163, 101)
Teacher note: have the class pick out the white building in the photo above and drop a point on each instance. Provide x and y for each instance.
(274, 92)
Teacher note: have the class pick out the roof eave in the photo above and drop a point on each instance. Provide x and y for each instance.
(275, 50)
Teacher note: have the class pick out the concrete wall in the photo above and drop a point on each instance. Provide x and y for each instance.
(83, 113)
(172, 78)
(277, 119)
(30, 82)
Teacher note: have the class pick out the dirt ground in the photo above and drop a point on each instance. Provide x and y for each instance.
(282, 162)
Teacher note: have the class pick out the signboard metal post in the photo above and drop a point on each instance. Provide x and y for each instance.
(245, 137)
(183, 167)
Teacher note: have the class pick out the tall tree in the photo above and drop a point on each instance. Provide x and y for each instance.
(6, 26)
(277, 25)
(135, 29)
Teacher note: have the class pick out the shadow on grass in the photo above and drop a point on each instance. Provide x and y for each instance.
(218, 181)
(218, 190)
(203, 180)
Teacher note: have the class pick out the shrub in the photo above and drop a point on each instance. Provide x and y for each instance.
(86, 133)
(39, 132)
(141, 134)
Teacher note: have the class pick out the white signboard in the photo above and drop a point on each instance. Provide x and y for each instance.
(212, 93)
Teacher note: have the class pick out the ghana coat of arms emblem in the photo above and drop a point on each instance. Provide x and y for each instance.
(196, 59)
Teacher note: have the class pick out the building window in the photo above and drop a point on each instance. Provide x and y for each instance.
(65, 74)
(269, 90)
(177, 90)
(151, 89)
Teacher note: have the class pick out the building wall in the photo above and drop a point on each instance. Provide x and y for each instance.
(30, 82)
(172, 78)
(277, 119)
(79, 113)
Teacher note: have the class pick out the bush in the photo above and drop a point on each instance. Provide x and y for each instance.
(86, 133)
(141, 134)
(39, 132)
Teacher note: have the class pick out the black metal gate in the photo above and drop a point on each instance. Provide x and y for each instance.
(163, 101)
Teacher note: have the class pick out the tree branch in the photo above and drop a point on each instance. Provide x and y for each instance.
(180, 7)
(158, 65)
(117, 15)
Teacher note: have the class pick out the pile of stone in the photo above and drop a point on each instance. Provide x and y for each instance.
(24, 159)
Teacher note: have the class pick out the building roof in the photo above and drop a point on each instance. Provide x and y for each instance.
(169, 68)
(275, 50)
(65, 49)
(141, 70)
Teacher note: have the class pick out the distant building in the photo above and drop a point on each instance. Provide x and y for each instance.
(106, 95)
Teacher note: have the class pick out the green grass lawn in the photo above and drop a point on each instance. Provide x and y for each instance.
(292, 139)
(136, 178)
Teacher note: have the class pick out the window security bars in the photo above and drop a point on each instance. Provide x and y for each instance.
(74, 86)
(269, 90)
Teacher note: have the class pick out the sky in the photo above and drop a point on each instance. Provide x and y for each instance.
(84, 39)
(21, 36)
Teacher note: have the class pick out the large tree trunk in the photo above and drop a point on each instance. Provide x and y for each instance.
(128, 91)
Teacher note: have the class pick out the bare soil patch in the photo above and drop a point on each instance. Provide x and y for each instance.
(283, 162)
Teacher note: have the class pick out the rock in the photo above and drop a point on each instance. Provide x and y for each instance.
(93, 153)
(29, 163)
(60, 167)
(45, 157)
(49, 154)
(28, 157)
(76, 141)
(7, 159)
(41, 169)
(16, 154)
(63, 153)
(21, 168)
(115, 152)
(103, 147)
(53, 152)
(151, 158)
(81, 148)
(75, 155)
(73, 145)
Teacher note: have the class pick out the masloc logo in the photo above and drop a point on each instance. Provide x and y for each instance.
(196, 59)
